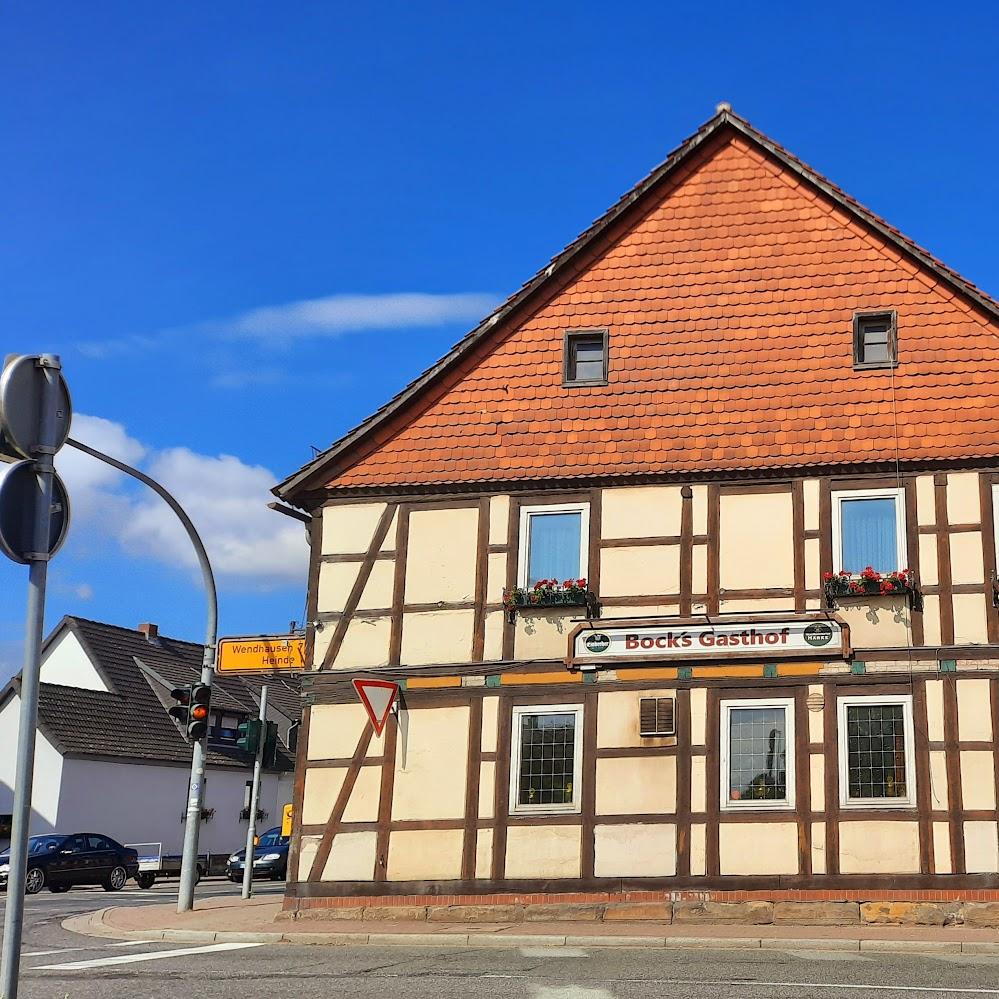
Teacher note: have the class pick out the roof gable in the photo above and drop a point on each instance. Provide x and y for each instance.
(728, 280)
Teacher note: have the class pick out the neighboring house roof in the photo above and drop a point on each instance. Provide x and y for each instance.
(728, 279)
(130, 720)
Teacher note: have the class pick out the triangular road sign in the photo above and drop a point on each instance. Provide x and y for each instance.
(377, 696)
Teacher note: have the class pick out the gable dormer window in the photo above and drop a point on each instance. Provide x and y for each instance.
(585, 358)
(875, 340)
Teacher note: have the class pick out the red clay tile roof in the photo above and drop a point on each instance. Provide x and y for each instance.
(728, 281)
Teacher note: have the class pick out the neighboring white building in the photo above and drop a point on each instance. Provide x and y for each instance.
(110, 759)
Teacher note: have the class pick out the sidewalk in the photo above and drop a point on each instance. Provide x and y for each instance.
(227, 919)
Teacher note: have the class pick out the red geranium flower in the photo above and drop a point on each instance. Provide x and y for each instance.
(827, 576)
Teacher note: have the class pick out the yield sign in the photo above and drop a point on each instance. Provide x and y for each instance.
(377, 696)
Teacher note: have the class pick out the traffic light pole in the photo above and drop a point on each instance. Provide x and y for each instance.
(25, 772)
(196, 793)
(251, 832)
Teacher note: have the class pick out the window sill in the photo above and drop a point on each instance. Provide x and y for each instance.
(731, 807)
(595, 383)
(543, 811)
(878, 805)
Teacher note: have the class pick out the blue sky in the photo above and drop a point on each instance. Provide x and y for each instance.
(245, 225)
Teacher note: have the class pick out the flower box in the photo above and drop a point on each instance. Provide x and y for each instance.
(548, 593)
(867, 584)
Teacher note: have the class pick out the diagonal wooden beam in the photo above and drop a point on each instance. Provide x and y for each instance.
(340, 805)
(362, 580)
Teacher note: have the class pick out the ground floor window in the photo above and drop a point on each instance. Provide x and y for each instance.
(876, 760)
(547, 758)
(757, 757)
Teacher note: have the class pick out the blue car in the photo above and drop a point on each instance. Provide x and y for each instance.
(270, 858)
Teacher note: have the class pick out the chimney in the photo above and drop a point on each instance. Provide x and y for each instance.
(151, 631)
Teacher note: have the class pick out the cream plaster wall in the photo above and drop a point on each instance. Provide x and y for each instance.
(699, 500)
(978, 789)
(425, 855)
(813, 561)
(499, 519)
(484, 853)
(818, 848)
(698, 784)
(699, 581)
(934, 710)
(433, 637)
(352, 857)
(928, 574)
(496, 578)
(981, 848)
(758, 847)
(879, 847)
(492, 645)
(816, 782)
(334, 731)
(637, 786)
(490, 724)
(543, 852)
(878, 622)
(640, 512)
(698, 715)
(970, 627)
(365, 644)
(336, 580)
(816, 697)
(698, 849)
(941, 848)
(926, 504)
(967, 563)
(753, 605)
(810, 497)
(440, 557)
(757, 549)
(487, 789)
(348, 529)
(433, 784)
(974, 710)
(306, 856)
(964, 504)
(931, 620)
(640, 571)
(618, 719)
(938, 780)
(622, 851)
(544, 634)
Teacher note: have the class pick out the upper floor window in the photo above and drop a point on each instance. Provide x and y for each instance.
(868, 529)
(585, 358)
(875, 340)
(553, 542)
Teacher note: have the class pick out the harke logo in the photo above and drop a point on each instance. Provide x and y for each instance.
(818, 634)
(597, 642)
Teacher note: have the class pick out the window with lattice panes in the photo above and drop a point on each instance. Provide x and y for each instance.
(876, 751)
(547, 758)
(757, 758)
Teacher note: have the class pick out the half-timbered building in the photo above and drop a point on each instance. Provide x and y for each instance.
(684, 560)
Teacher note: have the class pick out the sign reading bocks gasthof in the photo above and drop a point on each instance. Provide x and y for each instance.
(629, 640)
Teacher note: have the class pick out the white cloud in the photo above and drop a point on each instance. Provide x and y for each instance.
(339, 314)
(224, 497)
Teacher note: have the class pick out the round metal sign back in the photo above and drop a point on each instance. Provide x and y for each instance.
(19, 498)
(22, 384)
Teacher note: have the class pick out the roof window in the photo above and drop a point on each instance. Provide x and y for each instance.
(875, 340)
(585, 358)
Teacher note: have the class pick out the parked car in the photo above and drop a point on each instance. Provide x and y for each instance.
(270, 857)
(59, 862)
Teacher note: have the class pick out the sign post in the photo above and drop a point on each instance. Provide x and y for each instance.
(35, 412)
(251, 831)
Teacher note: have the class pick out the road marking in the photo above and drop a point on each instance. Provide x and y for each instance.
(553, 952)
(95, 946)
(156, 955)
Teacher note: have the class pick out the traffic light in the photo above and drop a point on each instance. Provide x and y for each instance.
(181, 710)
(270, 745)
(248, 734)
(197, 722)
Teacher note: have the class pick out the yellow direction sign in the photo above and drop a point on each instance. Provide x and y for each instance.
(265, 653)
(286, 816)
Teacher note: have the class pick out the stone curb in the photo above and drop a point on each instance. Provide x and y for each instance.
(93, 924)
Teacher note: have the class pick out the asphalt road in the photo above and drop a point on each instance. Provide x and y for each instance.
(58, 964)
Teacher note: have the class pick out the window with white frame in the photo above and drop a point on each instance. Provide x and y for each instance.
(547, 758)
(757, 753)
(876, 753)
(553, 542)
(868, 529)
